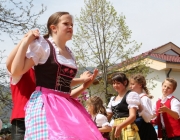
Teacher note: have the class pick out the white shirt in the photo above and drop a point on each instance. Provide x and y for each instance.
(146, 113)
(175, 106)
(101, 120)
(39, 51)
(132, 99)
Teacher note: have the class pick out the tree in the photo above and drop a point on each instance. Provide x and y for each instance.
(15, 19)
(102, 39)
(5, 96)
(18, 17)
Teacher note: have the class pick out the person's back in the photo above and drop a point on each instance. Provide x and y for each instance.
(21, 91)
(146, 129)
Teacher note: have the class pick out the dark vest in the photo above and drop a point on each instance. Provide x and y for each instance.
(121, 110)
(54, 75)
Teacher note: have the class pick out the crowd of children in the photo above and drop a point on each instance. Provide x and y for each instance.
(131, 113)
(51, 109)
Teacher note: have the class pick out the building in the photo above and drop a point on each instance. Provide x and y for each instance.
(164, 61)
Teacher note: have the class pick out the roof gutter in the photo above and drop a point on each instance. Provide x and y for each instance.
(168, 72)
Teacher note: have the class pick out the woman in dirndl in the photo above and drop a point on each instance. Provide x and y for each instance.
(146, 129)
(53, 113)
(122, 110)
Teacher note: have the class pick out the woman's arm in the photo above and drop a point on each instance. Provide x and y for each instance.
(75, 92)
(11, 57)
(103, 123)
(129, 120)
(109, 116)
(84, 77)
(105, 129)
(20, 63)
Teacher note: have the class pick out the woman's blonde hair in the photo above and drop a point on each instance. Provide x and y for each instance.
(97, 104)
(53, 20)
(140, 79)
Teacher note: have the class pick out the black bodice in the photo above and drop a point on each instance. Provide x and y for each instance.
(121, 110)
(54, 75)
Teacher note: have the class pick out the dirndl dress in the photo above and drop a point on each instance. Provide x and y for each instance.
(130, 132)
(51, 113)
(120, 112)
(146, 130)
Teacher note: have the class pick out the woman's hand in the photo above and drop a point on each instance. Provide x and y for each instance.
(88, 83)
(75, 92)
(86, 76)
(20, 63)
(117, 132)
(32, 35)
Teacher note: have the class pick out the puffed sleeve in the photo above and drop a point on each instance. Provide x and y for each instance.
(101, 120)
(38, 50)
(108, 109)
(146, 113)
(133, 100)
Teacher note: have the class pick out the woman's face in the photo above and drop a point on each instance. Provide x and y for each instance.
(135, 86)
(64, 29)
(89, 108)
(118, 86)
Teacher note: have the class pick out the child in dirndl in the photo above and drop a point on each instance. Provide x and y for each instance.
(98, 113)
(122, 110)
(53, 113)
(146, 129)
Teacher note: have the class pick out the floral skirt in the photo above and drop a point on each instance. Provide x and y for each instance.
(53, 115)
(130, 132)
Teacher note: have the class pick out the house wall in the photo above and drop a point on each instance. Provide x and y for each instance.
(161, 76)
(176, 76)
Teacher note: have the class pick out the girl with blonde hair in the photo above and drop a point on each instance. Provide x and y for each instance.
(146, 129)
(99, 115)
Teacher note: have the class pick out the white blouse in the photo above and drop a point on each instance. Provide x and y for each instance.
(132, 99)
(39, 51)
(101, 120)
(146, 113)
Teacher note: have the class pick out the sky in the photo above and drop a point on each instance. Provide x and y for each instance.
(152, 22)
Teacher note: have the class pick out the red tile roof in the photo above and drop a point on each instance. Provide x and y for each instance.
(165, 57)
(160, 57)
(156, 56)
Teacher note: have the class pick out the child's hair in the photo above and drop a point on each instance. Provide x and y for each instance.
(97, 104)
(172, 81)
(140, 79)
(120, 77)
(54, 20)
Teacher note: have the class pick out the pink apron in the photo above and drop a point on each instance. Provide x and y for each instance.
(66, 118)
